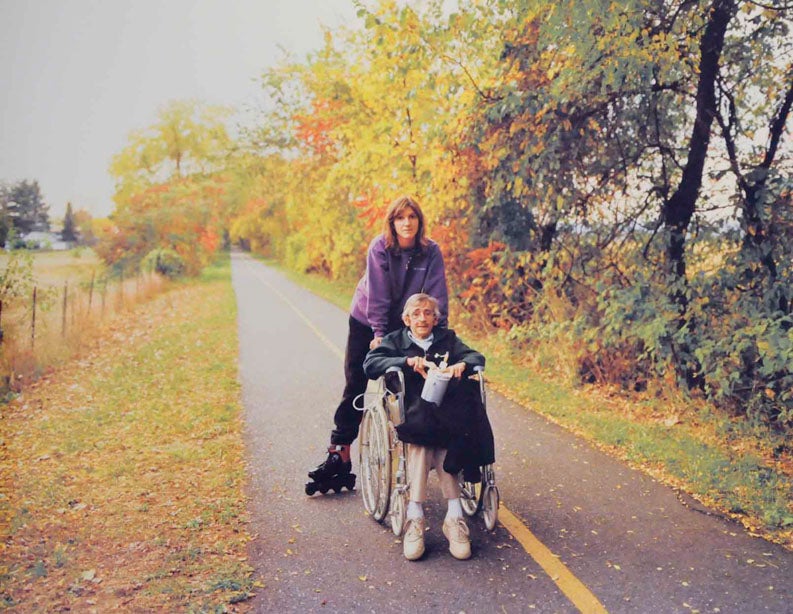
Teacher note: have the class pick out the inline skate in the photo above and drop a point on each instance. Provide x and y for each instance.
(333, 473)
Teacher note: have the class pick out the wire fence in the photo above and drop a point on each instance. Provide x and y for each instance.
(52, 322)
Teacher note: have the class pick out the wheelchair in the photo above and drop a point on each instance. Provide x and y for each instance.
(382, 458)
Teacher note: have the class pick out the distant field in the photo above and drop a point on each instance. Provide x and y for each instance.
(51, 268)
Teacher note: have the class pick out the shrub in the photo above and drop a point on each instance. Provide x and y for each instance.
(166, 262)
(746, 348)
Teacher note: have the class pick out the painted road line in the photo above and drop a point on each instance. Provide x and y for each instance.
(575, 590)
(333, 347)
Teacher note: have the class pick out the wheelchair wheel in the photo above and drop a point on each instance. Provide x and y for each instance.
(375, 464)
(470, 496)
(398, 512)
(489, 502)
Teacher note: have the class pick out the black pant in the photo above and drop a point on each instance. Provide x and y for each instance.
(347, 419)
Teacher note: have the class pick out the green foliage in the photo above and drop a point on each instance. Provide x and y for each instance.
(746, 348)
(16, 278)
(23, 207)
(166, 262)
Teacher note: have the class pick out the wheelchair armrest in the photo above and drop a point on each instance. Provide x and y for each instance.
(394, 380)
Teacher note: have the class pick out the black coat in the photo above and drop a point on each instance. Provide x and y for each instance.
(460, 423)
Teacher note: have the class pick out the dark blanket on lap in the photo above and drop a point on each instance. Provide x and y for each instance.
(459, 424)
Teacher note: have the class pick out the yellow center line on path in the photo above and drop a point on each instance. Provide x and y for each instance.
(575, 590)
(333, 347)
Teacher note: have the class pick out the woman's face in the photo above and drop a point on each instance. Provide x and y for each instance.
(406, 226)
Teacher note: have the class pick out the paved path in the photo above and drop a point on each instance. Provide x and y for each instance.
(585, 532)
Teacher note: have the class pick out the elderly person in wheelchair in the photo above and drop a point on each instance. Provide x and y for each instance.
(449, 435)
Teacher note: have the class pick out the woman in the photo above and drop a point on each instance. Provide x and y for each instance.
(400, 262)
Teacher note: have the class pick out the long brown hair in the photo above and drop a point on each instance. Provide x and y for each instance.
(394, 209)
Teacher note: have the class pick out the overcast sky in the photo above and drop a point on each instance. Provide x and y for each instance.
(77, 76)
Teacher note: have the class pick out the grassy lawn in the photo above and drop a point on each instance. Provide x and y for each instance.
(123, 471)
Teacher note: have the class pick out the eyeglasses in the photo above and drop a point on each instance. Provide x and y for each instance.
(427, 313)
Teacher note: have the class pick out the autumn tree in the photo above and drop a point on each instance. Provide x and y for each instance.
(169, 188)
(365, 119)
(617, 174)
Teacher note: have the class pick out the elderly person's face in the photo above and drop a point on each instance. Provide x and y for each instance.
(421, 318)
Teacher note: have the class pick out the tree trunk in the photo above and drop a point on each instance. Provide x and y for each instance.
(679, 208)
(755, 240)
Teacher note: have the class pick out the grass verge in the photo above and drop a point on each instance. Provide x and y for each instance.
(727, 465)
(734, 468)
(123, 471)
(55, 305)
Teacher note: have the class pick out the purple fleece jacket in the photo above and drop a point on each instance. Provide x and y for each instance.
(391, 277)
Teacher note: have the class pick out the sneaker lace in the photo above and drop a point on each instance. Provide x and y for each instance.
(414, 528)
(458, 530)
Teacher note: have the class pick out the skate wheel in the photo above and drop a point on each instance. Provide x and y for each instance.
(311, 488)
(323, 490)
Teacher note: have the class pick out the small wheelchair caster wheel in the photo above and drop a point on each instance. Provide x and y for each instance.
(398, 512)
(490, 501)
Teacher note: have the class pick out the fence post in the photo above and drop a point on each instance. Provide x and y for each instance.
(33, 322)
(63, 315)
(91, 292)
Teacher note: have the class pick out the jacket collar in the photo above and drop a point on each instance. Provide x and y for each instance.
(439, 334)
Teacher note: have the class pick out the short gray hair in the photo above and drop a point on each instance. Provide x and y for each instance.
(415, 299)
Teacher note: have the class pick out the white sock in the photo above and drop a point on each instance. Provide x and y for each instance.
(415, 510)
(455, 509)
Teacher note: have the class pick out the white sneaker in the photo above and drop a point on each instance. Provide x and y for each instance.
(413, 542)
(456, 531)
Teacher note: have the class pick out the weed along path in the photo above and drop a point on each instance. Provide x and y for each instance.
(578, 530)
